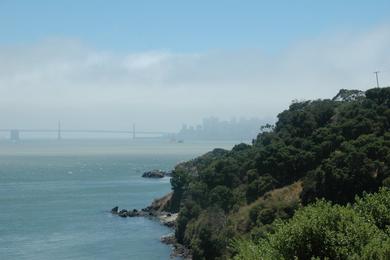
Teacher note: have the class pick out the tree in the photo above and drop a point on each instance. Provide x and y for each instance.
(179, 183)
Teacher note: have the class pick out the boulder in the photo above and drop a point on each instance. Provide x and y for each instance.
(133, 213)
(114, 210)
(168, 239)
(170, 224)
(122, 213)
(168, 219)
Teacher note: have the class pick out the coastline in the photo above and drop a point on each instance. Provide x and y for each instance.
(156, 211)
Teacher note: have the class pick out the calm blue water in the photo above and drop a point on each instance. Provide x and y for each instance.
(55, 198)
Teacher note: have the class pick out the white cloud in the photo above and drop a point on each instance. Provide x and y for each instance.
(82, 86)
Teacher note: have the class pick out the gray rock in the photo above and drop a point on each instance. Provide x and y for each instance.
(114, 210)
(133, 213)
(122, 213)
(156, 174)
(168, 239)
(170, 224)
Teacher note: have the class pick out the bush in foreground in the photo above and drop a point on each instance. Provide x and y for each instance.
(326, 231)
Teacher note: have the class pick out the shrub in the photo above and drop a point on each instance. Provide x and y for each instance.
(376, 208)
(321, 230)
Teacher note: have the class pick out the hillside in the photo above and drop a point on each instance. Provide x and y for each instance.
(332, 149)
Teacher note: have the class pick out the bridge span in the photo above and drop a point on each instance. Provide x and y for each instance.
(15, 133)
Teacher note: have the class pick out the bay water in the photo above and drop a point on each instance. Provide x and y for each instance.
(55, 197)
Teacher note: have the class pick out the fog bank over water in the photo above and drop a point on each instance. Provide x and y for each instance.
(85, 87)
(109, 147)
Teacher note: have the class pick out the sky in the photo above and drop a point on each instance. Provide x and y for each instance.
(159, 64)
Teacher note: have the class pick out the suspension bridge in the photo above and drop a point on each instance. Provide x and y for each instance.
(15, 134)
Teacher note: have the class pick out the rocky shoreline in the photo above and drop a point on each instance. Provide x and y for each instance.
(166, 218)
(178, 250)
(156, 211)
(156, 174)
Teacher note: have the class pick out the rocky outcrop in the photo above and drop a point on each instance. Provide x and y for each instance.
(156, 174)
(168, 239)
(162, 204)
(133, 213)
(178, 250)
(114, 210)
(156, 210)
(349, 95)
(168, 219)
(122, 213)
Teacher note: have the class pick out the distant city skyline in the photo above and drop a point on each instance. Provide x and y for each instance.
(212, 128)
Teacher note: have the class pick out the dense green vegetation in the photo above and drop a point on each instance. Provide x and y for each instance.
(323, 230)
(265, 196)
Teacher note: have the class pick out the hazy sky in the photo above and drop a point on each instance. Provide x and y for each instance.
(107, 64)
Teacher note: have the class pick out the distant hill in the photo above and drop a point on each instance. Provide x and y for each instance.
(240, 203)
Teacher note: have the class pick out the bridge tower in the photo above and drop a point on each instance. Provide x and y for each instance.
(133, 131)
(59, 131)
(14, 135)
